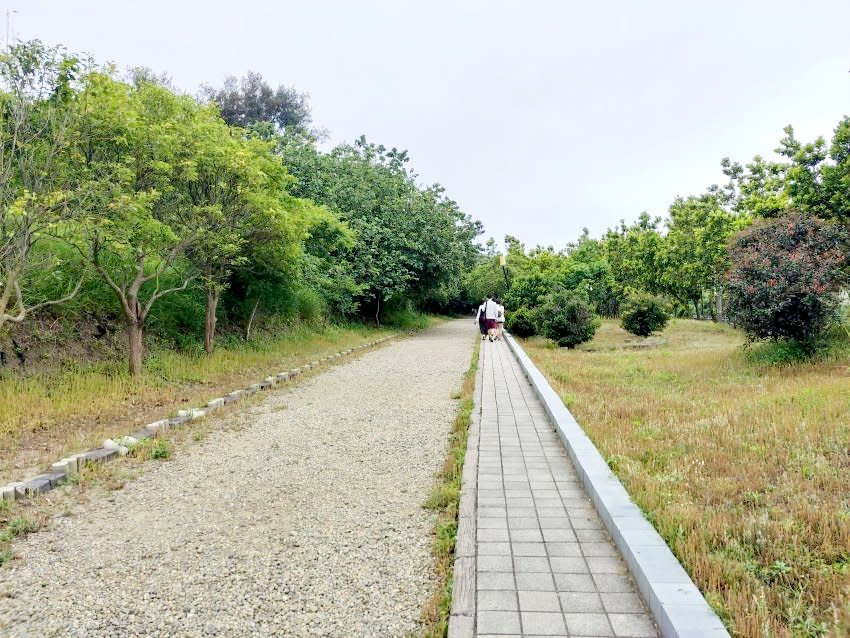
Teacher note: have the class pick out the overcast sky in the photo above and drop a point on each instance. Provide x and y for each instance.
(539, 118)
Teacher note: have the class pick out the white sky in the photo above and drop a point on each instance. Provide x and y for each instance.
(538, 117)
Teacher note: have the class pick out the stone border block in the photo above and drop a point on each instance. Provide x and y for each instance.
(462, 616)
(230, 397)
(72, 465)
(157, 426)
(675, 601)
(9, 492)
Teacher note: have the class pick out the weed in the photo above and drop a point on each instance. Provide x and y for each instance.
(49, 414)
(741, 465)
(445, 501)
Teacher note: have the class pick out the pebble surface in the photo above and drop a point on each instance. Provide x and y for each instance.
(306, 522)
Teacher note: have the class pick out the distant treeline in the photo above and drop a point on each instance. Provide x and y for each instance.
(768, 250)
(122, 198)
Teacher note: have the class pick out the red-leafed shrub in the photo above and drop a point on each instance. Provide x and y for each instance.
(784, 276)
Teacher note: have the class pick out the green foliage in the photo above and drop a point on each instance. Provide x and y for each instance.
(521, 322)
(644, 314)
(529, 290)
(784, 278)
(567, 319)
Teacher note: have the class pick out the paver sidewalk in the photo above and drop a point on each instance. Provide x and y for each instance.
(545, 564)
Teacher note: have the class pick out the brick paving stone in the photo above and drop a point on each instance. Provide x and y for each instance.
(545, 563)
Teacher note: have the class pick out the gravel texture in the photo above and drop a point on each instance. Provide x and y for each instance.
(307, 522)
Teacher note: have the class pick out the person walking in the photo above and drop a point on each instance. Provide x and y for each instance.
(500, 318)
(481, 320)
(488, 309)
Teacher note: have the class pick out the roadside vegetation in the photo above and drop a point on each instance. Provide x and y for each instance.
(444, 501)
(741, 465)
(157, 248)
(72, 406)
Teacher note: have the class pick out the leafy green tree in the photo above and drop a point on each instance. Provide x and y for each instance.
(818, 176)
(757, 189)
(236, 198)
(411, 243)
(693, 256)
(133, 149)
(251, 100)
(36, 90)
(633, 254)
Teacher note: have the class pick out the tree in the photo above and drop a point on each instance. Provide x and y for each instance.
(36, 89)
(412, 244)
(633, 253)
(693, 256)
(757, 189)
(250, 100)
(133, 146)
(236, 199)
(784, 276)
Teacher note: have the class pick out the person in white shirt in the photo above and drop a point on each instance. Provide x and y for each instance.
(500, 318)
(488, 310)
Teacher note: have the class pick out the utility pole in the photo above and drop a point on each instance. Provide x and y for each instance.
(9, 13)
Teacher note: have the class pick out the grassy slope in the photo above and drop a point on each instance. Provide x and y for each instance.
(47, 415)
(744, 469)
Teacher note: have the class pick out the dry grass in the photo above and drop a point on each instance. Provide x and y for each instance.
(744, 469)
(51, 414)
(445, 502)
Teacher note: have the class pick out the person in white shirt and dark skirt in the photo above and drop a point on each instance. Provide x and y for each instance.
(488, 311)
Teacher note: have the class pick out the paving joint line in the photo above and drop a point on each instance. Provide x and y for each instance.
(679, 608)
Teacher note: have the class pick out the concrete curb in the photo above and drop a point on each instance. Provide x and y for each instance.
(677, 605)
(69, 468)
(462, 618)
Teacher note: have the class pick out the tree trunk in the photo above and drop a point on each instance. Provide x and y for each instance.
(210, 320)
(718, 298)
(135, 330)
(251, 320)
(378, 311)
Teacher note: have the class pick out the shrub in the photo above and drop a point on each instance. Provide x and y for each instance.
(521, 322)
(568, 320)
(527, 291)
(644, 314)
(784, 277)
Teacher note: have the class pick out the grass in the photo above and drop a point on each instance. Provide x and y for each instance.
(743, 467)
(444, 500)
(51, 414)
(16, 521)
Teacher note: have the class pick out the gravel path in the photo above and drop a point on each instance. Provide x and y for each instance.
(306, 523)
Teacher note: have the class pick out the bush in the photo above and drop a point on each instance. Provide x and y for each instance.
(568, 319)
(521, 322)
(644, 314)
(784, 278)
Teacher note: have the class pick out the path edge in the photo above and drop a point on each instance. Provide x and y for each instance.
(679, 608)
(464, 586)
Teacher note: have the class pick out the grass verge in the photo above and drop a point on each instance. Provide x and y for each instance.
(743, 467)
(444, 500)
(51, 414)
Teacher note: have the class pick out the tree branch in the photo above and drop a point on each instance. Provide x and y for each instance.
(161, 293)
(25, 311)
